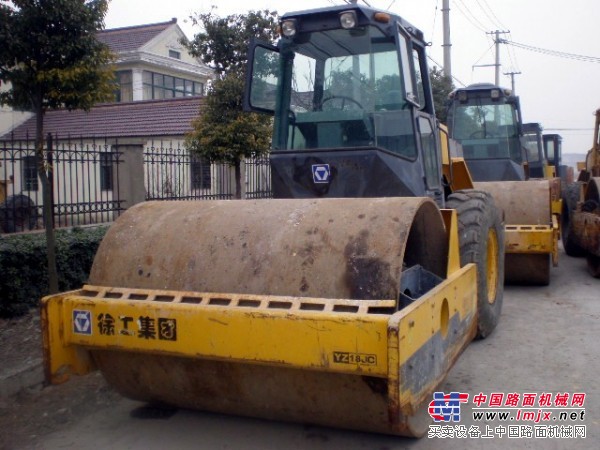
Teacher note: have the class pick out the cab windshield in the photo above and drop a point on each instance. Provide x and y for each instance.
(533, 145)
(486, 131)
(343, 88)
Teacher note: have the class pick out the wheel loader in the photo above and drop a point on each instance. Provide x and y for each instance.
(343, 301)
(486, 120)
(581, 217)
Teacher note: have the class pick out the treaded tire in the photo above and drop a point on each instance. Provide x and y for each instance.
(593, 265)
(570, 197)
(478, 218)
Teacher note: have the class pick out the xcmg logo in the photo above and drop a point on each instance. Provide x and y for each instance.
(321, 173)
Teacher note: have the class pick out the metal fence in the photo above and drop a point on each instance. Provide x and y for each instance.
(172, 172)
(258, 178)
(84, 183)
(87, 175)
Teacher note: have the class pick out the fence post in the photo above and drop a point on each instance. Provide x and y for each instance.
(243, 171)
(50, 171)
(131, 174)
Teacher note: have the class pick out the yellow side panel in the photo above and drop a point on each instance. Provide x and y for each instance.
(549, 171)
(529, 239)
(332, 341)
(451, 221)
(427, 337)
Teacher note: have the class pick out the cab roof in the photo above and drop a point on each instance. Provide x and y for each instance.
(321, 18)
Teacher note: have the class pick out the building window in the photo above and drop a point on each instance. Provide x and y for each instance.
(200, 172)
(30, 175)
(159, 86)
(124, 91)
(174, 54)
(106, 171)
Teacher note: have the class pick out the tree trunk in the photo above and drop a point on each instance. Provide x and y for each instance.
(238, 179)
(44, 174)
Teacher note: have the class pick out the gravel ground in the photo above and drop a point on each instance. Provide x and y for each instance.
(29, 415)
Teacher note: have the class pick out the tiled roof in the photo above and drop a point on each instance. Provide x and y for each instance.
(171, 117)
(132, 38)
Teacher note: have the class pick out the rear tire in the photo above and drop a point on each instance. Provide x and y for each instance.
(593, 265)
(481, 241)
(570, 198)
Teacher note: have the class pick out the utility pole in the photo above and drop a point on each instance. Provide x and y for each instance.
(447, 45)
(512, 80)
(497, 41)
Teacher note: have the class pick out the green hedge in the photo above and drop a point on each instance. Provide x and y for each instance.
(23, 265)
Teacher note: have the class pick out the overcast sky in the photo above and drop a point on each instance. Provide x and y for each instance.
(559, 92)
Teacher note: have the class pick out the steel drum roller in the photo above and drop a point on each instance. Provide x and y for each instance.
(329, 248)
(523, 203)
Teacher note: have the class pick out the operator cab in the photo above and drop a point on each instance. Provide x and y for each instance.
(553, 153)
(353, 111)
(532, 141)
(486, 120)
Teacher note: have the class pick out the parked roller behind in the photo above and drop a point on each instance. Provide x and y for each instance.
(581, 213)
(486, 120)
(553, 152)
(345, 300)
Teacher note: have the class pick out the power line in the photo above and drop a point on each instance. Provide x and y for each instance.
(474, 21)
(549, 52)
(483, 54)
(512, 55)
(490, 18)
(441, 67)
(498, 23)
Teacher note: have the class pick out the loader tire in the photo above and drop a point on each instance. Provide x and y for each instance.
(481, 241)
(570, 198)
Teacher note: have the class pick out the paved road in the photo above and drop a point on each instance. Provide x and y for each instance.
(547, 342)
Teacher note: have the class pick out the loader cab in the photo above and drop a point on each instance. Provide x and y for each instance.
(553, 153)
(353, 112)
(486, 120)
(534, 148)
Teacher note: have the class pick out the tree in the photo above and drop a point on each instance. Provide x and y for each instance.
(441, 86)
(223, 132)
(50, 58)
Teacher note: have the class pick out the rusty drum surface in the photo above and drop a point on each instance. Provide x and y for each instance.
(523, 202)
(329, 248)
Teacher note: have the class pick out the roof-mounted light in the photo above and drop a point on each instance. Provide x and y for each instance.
(348, 19)
(382, 17)
(462, 96)
(288, 28)
(495, 94)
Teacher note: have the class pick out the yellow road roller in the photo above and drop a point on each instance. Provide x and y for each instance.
(581, 217)
(343, 301)
(486, 120)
